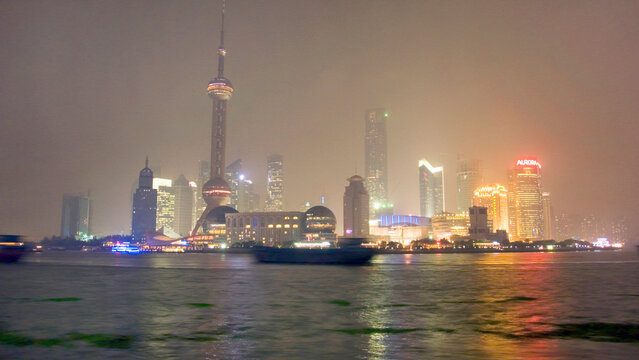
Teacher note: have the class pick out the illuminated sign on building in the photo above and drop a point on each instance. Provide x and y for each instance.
(528, 162)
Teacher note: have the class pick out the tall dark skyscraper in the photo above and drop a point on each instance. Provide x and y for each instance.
(216, 192)
(275, 183)
(356, 203)
(145, 202)
(76, 217)
(376, 174)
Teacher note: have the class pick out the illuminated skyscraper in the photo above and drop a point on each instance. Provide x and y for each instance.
(431, 189)
(232, 177)
(144, 205)
(183, 215)
(216, 191)
(548, 217)
(165, 203)
(76, 217)
(495, 199)
(356, 203)
(275, 183)
(469, 178)
(524, 200)
(376, 173)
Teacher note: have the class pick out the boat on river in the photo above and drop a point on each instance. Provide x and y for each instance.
(11, 248)
(349, 253)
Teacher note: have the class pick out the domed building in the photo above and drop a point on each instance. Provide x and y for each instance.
(319, 219)
(215, 222)
(319, 224)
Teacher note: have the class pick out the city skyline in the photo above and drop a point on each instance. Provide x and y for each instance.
(566, 138)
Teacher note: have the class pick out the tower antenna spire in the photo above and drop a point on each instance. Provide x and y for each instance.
(221, 52)
(146, 162)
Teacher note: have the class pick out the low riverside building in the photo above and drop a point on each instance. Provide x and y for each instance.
(402, 229)
(277, 228)
(270, 228)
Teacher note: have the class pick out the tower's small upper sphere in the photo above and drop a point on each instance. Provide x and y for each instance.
(216, 192)
(220, 88)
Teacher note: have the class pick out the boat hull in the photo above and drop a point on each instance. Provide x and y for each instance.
(10, 254)
(345, 256)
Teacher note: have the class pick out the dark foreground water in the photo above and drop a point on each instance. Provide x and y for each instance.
(216, 306)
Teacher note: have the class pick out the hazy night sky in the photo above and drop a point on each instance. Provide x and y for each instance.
(89, 88)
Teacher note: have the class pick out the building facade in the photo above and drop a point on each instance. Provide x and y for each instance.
(356, 207)
(469, 178)
(446, 224)
(275, 183)
(402, 229)
(270, 228)
(495, 198)
(376, 173)
(431, 189)
(183, 211)
(76, 217)
(165, 203)
(524, 200)
(145, 199)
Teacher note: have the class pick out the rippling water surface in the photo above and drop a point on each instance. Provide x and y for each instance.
(207, 306)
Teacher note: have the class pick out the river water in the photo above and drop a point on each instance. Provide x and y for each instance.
(72, 305)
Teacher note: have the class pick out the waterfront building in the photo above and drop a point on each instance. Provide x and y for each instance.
(356, 207)
(376, 173)
(275, 183)
(446, 224)
(524, 200)
(402, 229)
(76, 217)
(143, 219)
(165, 203)
(269, 228)
(216, 191)
(431, 189)
(478, 216)
(319, 224)
(469, 178)
(183, 209)
(277, 228)
(547, 216)
(495, 198)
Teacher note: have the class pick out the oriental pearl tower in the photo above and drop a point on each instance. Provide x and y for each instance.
(216, 191)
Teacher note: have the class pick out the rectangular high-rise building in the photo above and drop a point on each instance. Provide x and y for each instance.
(165, 203)
(234, 177)
(376, 173)
(183, 210)
(76, 217)
(548, 218)
(524, 200)
(431, 189)
(275, 183)
(469, 178)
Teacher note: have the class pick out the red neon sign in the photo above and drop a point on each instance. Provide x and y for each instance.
(528, 162)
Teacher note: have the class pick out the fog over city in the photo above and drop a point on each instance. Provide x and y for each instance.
(91, 88)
